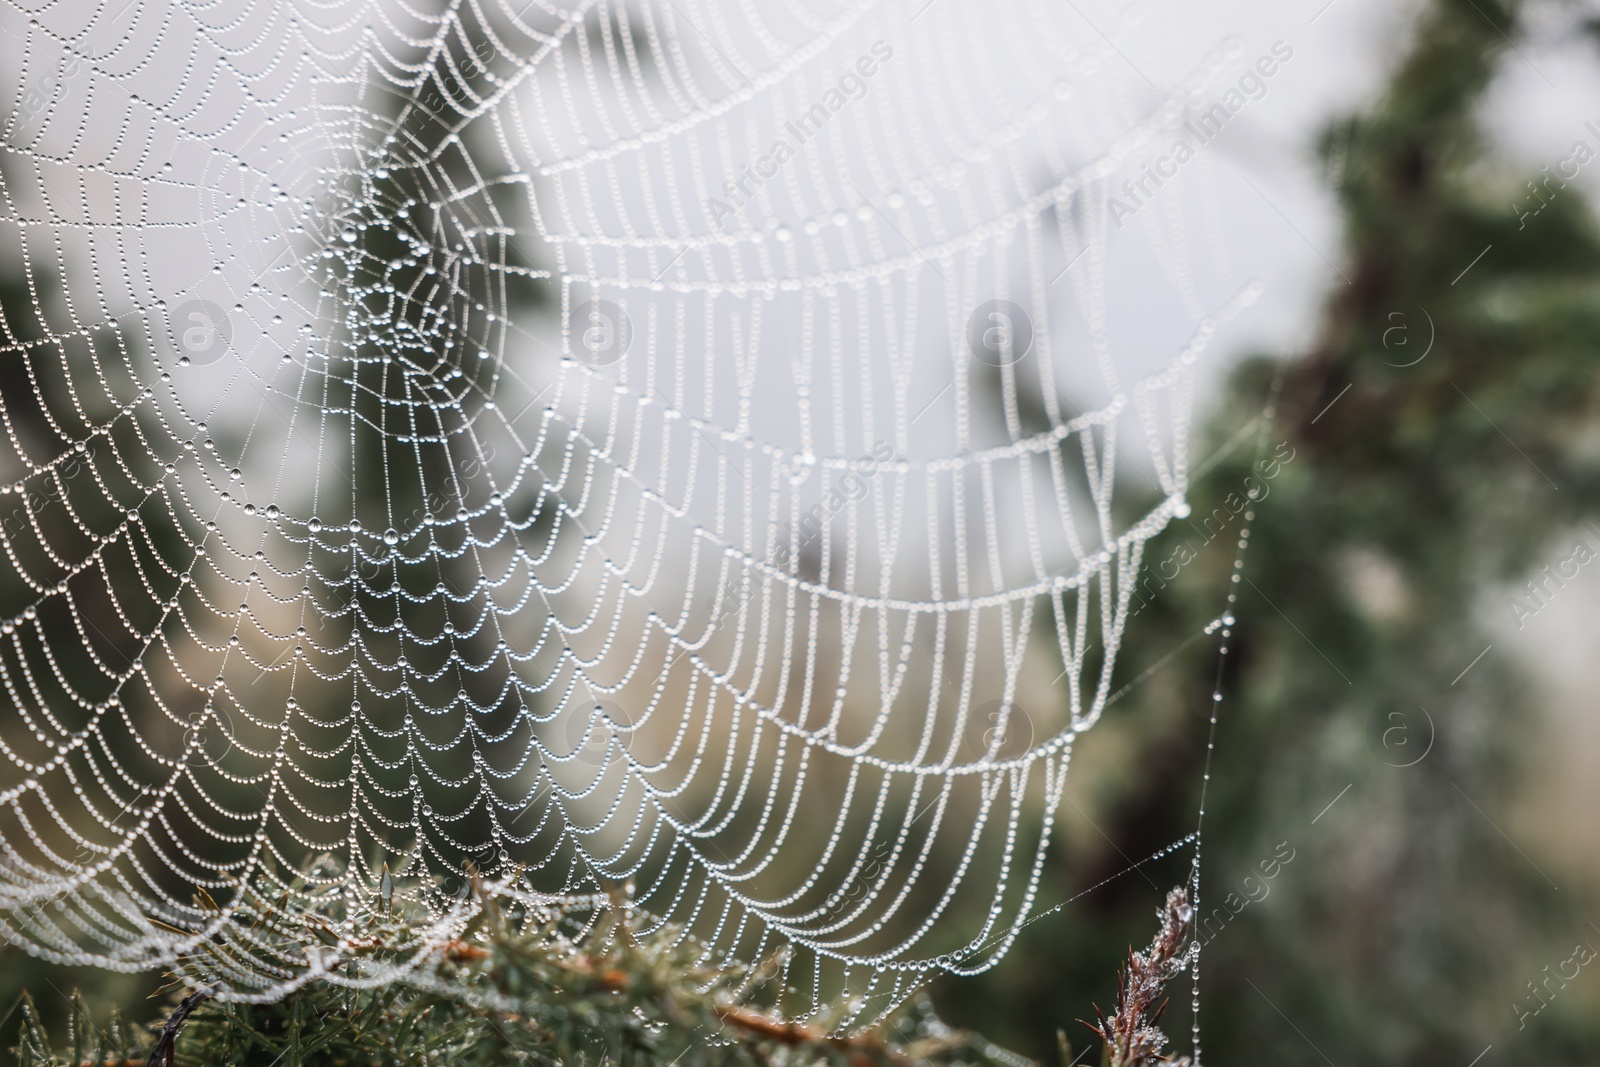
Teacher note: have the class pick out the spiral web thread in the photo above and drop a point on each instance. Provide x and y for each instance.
(423, 452)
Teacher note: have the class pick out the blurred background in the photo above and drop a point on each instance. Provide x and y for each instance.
(1399, 436)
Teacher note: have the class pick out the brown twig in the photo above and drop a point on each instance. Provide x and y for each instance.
(162, 1054)
(861, 1050)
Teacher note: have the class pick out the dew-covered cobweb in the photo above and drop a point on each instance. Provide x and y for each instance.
(454, 438)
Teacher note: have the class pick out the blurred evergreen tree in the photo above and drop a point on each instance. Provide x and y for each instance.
(1442, 433)
(1406, 926)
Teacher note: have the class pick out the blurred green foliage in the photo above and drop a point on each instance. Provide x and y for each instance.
(515, 988)
(1407, 926)
(1410, 925)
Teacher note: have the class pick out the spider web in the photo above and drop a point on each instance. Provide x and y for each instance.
(454, 439)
